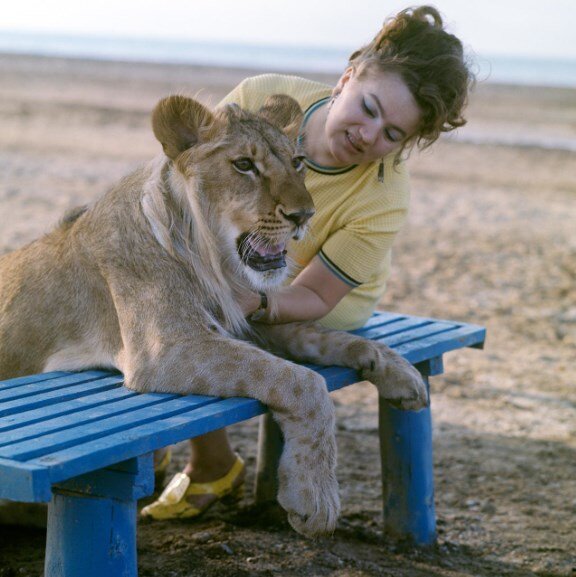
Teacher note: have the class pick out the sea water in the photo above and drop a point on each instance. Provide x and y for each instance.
(271, 58)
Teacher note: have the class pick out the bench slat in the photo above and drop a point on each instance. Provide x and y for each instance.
(44, 385)
(59, 396)
(402, 326)
(440, 343)
(18, 381)
(80, 432)
(417, 334)
(83, 417)
(20, 420)
(381, 319)
(124, 445)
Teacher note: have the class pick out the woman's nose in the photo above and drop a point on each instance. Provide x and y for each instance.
(370, 132)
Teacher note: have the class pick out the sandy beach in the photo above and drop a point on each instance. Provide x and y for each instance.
(491, 240)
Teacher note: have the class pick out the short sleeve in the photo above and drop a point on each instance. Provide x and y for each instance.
(359, 251)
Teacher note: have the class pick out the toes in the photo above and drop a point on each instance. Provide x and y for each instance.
(322, 522)
(312, 503)
(415, 402)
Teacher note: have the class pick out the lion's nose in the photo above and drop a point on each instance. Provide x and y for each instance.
(299, 217)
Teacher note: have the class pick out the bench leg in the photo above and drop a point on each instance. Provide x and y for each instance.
(407, 471)
(407, 474)
(92, 521)
(90, 536)
(270, 444)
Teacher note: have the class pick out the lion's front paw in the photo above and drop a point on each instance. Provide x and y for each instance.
(308, 489)
(398, 383)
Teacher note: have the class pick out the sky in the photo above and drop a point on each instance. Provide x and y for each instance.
(487, 27)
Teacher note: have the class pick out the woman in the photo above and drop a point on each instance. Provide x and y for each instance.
(405, 88)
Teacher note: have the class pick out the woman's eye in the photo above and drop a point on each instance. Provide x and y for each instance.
(298, 163)
(392, 135)
(244, 165)
(367, 109)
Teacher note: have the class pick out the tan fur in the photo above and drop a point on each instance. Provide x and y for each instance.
(148, 280)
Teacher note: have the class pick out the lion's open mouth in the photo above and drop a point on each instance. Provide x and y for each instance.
(260, 255)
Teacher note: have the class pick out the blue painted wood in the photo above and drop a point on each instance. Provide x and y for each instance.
(130, 480)
(92, 521)
(24, 482)
(33, 387)
(43, 399)
(409, 334)
(431, 367)
(381, 319)
(95, 414)
(148, 437)
(71, 407)
(416, 334)
(441, 343)
(91, 537)
(407, 474)
(398, 330)
(18, 381)
(84, 431)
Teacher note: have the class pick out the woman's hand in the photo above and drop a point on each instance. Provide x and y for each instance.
(311, 296)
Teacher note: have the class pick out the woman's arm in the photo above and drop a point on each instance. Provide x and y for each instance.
(311, 296)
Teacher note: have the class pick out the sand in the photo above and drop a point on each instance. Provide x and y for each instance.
(491, 239)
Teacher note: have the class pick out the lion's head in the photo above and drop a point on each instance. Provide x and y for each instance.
(242, 179)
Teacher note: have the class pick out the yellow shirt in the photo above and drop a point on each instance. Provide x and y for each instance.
(357, 217)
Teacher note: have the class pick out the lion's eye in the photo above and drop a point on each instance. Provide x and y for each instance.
(298, 163)
(244, 165)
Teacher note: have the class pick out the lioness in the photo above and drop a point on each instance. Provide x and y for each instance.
(148, 280)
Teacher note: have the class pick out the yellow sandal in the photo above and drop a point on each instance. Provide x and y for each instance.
(182, 499)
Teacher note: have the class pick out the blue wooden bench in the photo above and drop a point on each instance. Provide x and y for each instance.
(84, 443)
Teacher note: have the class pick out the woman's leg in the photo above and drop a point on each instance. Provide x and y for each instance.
(213, 473)
(211, 457)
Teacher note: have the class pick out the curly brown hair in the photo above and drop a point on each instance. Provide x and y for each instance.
(415, 45)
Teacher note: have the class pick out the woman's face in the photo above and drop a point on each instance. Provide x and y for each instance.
(370, 117)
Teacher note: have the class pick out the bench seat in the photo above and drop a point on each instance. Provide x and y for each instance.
(84, 443)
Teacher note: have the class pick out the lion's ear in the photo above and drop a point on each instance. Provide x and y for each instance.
(284, 112)
(177, 121)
